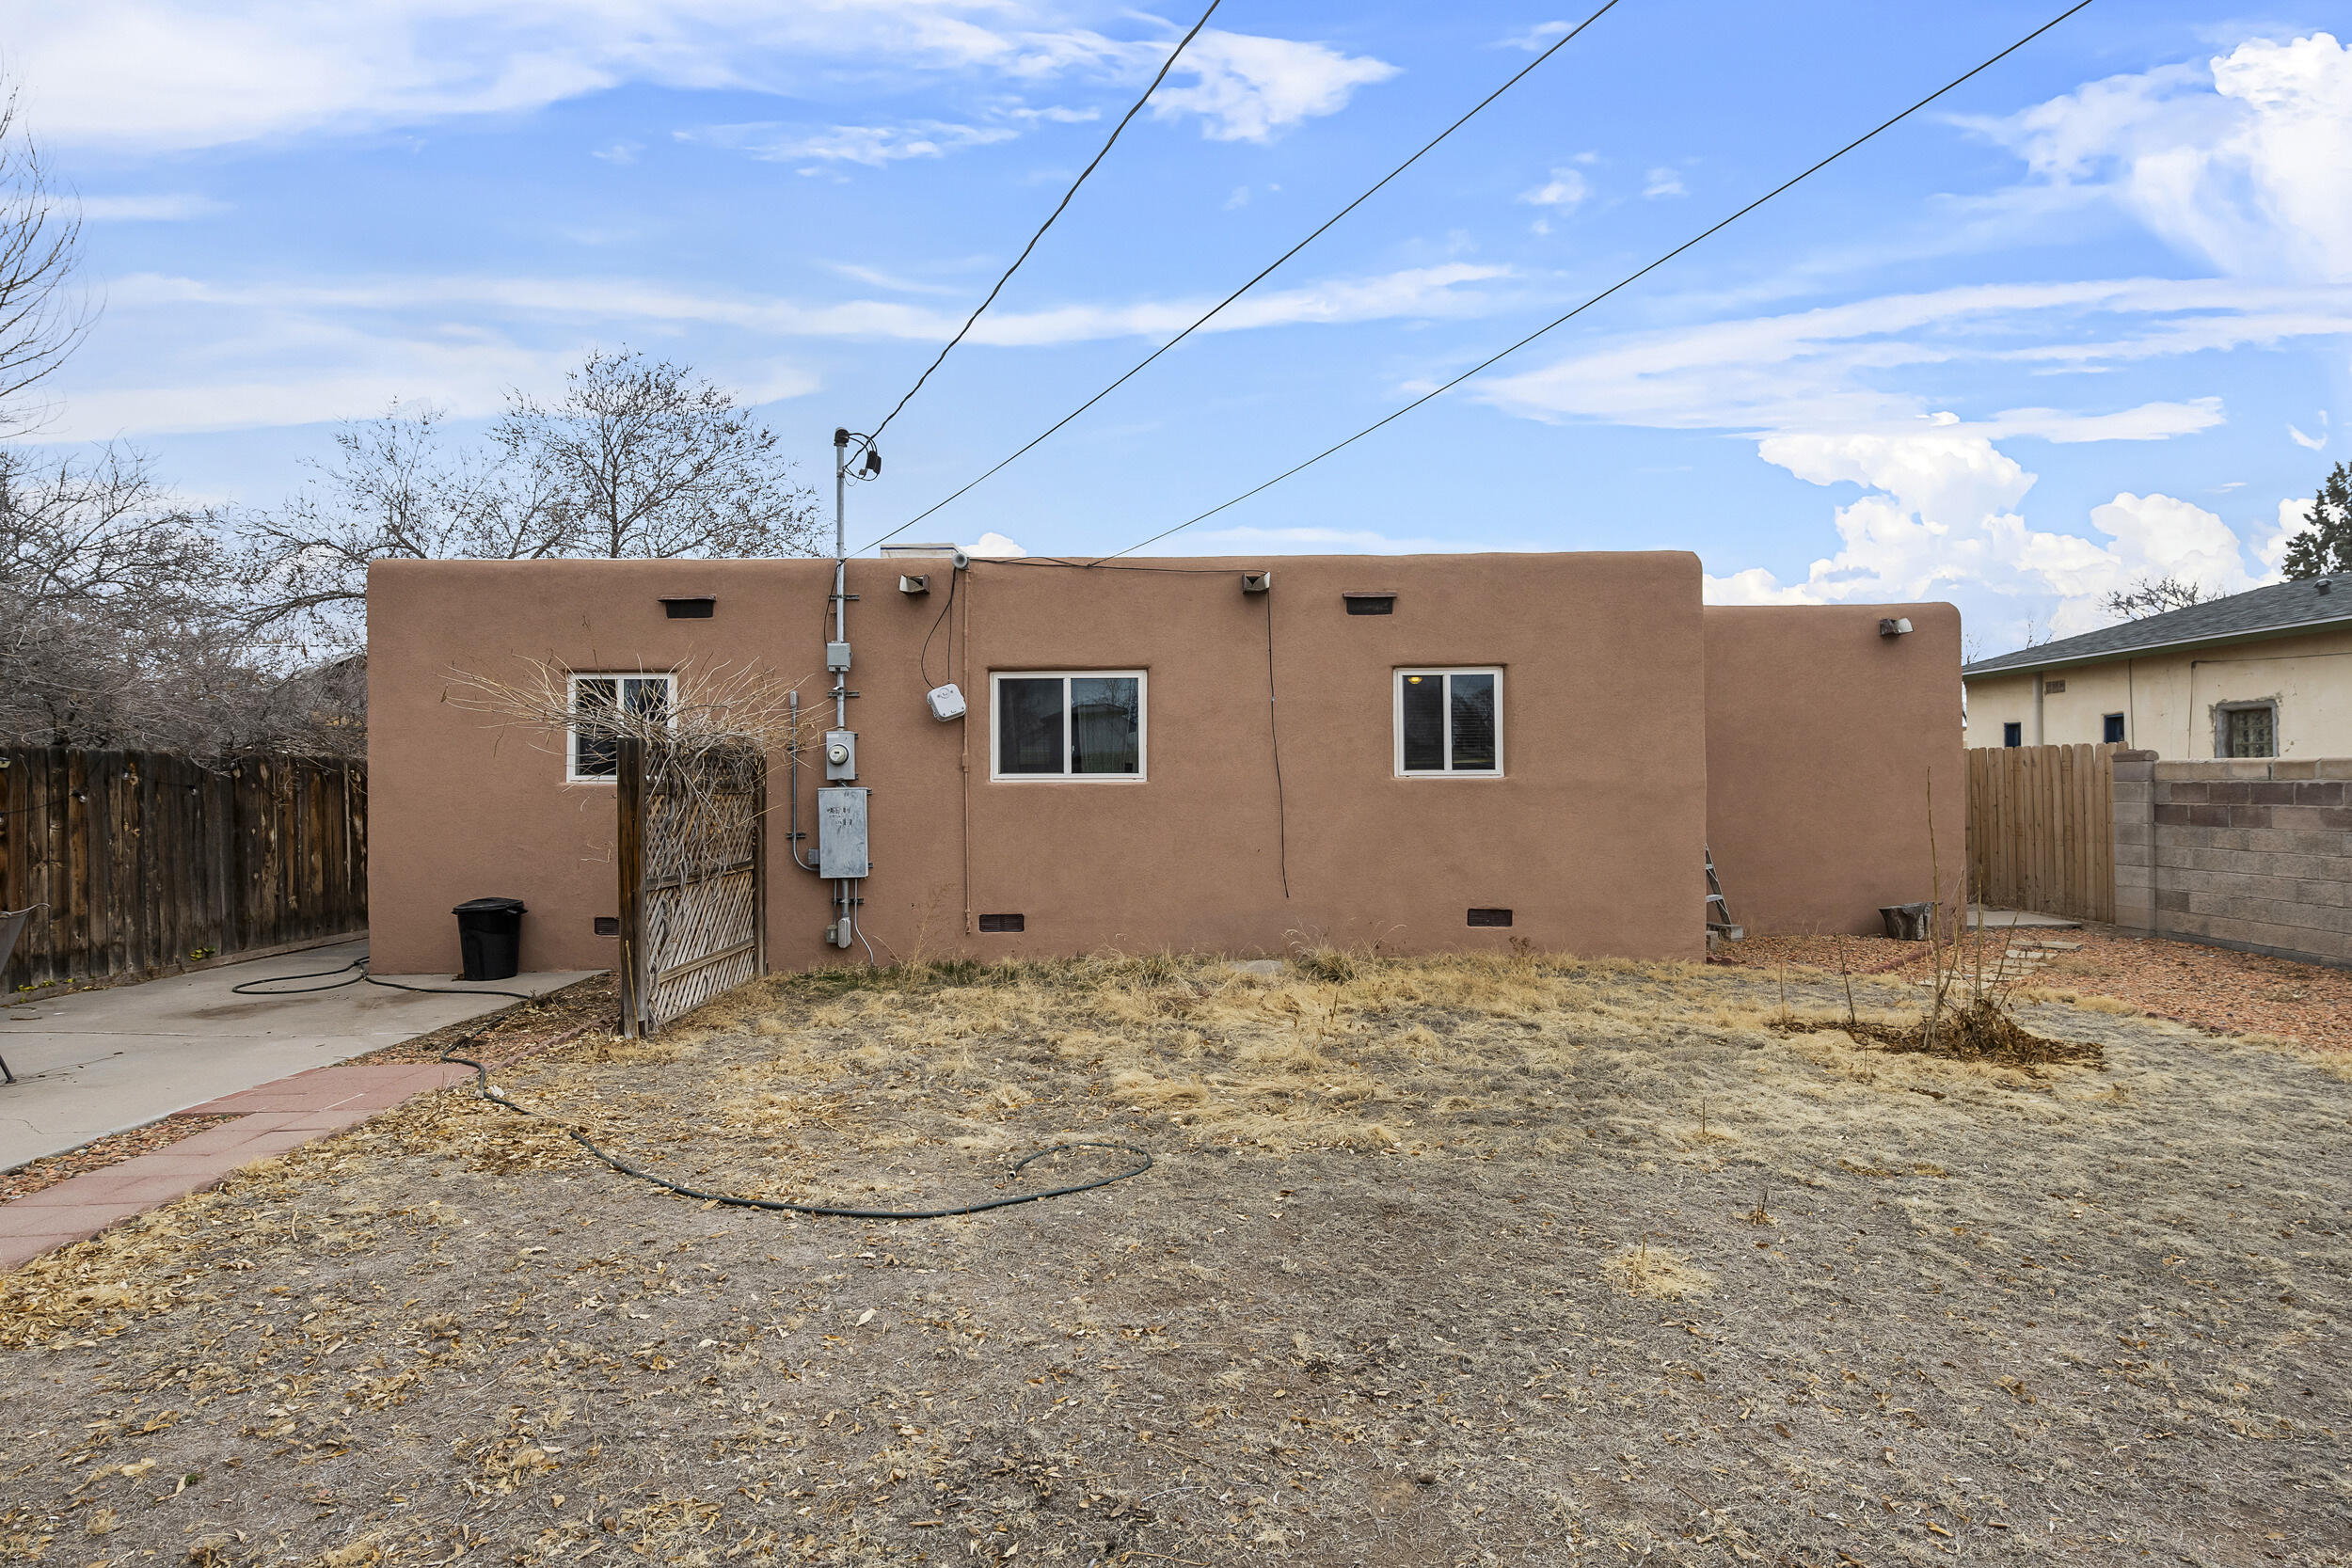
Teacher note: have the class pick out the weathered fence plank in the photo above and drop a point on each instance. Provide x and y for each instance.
(148, 861)
(2042, 829)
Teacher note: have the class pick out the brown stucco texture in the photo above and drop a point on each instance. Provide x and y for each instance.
(1822, 737)
(1591, 839)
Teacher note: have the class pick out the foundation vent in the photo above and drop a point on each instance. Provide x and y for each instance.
(689, 607)
(1369, 604)
(1003, 923)
(608, 925)
(1490, 917)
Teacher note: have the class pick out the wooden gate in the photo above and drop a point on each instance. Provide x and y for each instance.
(692, 851)
(2042, 829)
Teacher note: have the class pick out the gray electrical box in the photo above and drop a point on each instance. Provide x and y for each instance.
(836, 656)
(841, 832)
(840, 754)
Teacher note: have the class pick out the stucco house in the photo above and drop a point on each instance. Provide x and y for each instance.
(2262, 673)
(1418, 754)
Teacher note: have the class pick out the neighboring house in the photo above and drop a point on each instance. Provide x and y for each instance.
(1475, 750)
(2262, 673)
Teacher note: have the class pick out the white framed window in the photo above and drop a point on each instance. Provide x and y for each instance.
(592, 751)
(1066, 725)
(1449, 723)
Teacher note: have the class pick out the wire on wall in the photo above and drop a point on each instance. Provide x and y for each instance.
(1628, 279)
(1111, 141)
(1262, 274)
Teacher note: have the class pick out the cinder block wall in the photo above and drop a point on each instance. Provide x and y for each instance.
(2246, 854)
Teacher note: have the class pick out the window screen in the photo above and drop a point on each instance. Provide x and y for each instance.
(2012, 735)
(1059, 726)
(597, 704)
(1449, 722)
(2112, 729)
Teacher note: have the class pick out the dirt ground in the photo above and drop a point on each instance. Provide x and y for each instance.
(2214, 988)
(1443, 1262)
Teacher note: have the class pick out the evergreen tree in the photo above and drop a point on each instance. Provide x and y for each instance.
(2323, 548)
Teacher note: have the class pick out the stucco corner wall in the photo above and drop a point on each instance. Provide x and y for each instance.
(1821, 741)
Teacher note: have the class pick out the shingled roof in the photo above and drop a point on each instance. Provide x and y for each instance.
(2273, 611)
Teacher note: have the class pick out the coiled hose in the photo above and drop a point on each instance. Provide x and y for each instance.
(484, 1089)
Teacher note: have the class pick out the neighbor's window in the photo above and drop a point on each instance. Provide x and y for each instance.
(1449, 722)
(2012, 735)
(2250, 732)
(2112, 729)
(593, 749)
(1068, 724)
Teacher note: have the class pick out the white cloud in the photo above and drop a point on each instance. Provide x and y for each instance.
(874, 146)
(2316, 443)
(994, 547)
(2246, 162)
(1566, 189)
(1664, 182)
(177, 208)
(164, 74)
(1939, 513)
(216, 357)
(1248, 87)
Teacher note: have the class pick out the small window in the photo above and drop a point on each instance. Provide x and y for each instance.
(1073, 724)
(1449, 722)
(2012, 735)
(2112, 729)
(593, 750)
(2250, 732)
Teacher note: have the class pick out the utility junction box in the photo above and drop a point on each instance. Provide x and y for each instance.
(841, 832)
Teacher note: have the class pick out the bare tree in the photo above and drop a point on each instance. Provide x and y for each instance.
(652, 461)
(42, 317)
(638, 458)
(2153, 596)
(113, 629)
(390, 493)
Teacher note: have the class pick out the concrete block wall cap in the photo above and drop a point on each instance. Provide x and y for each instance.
(2288, 768)
(2127, 756)
(2332, 767)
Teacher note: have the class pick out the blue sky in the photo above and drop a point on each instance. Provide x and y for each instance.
(2088, 320)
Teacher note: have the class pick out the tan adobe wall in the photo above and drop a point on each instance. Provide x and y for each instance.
(1592, 837)
(1820, 737)
(2250, 854)
(2170, 700)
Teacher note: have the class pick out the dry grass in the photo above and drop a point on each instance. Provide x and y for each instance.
(1487, 1261)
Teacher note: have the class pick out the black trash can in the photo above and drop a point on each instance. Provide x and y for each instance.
(490, 935)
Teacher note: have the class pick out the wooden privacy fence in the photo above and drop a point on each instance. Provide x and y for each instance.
(149, 861)
(694, 877)
(2042, 829)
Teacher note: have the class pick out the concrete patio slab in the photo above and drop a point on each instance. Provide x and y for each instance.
(102, 1061)
(1995, 920)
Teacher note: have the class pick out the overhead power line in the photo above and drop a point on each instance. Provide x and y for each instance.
(1110, 142)
(1262, 274)
(1622, 282)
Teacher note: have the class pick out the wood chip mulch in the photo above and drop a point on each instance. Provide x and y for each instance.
(98, 1153)
(2210, 988)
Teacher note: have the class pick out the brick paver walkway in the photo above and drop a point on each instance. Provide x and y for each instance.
(271, 1118)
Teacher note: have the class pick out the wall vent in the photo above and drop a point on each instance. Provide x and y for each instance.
(1369, 604)
(689, 608)
(1490, 917)
(1003, 923)
(608, 925)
